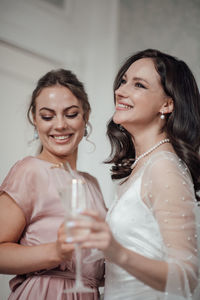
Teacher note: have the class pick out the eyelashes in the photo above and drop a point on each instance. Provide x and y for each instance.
(123, 81)
(68, 116)
(140, 85)
(46, 118)
(71, 116)
(136, 84)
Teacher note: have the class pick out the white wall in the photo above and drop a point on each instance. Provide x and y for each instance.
(169, 25)
(81, 37)
(85, 36)
(36, 37)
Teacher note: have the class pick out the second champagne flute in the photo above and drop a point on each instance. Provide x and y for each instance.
(74, 199)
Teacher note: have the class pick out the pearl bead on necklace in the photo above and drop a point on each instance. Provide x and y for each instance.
(149, 151)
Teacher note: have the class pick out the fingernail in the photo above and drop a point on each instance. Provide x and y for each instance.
(70, 224)
(69, 239)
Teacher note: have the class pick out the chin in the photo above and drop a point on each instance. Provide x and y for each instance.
(116, 119)
(119, 121)
(62, 152)
(120, 117)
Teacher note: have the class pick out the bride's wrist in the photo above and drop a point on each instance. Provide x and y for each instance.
(118, 255)
(122, 256)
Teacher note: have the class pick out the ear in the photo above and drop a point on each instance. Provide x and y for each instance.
(33, 118)
(87, 117)
(168, 106)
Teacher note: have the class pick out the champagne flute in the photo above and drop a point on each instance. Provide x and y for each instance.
(73, 196)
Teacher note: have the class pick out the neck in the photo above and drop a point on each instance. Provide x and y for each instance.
(144, 141)
(145, 135)
(149, 151)
(59, 159)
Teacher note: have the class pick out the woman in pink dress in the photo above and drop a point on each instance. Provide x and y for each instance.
(33, 240)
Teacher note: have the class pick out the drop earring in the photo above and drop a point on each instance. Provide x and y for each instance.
(121, 128)
(86, 131)
(162, 116)
(35, 135)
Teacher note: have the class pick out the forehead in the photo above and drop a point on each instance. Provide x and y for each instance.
(56, 96)
(143, 68)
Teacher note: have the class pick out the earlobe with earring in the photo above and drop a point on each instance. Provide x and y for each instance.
(121, 128)
(87, 134)
(35, 134)
(86, 131)
(162, 116)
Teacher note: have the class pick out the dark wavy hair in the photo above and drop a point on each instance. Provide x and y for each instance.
(64, 78)
(182, 125)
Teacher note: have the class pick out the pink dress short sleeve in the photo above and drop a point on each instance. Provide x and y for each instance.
(31, 185)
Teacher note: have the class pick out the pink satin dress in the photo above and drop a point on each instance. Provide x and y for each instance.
(30, 183)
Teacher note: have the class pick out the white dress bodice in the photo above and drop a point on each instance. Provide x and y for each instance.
(134, 226)
(148, 228)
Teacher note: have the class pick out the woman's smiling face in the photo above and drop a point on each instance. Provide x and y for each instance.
(140, 95)
(59, 122)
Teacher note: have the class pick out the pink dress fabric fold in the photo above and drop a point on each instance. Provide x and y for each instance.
(30, 183)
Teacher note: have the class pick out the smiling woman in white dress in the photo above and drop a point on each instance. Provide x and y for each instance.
(150, 238)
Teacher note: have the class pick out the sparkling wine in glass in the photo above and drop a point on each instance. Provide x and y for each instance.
(73, 196)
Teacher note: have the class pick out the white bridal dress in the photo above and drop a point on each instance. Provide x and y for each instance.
(156, 215)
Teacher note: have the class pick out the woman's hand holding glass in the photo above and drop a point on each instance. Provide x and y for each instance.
(63, 249)
(71, 190)
(99, 237)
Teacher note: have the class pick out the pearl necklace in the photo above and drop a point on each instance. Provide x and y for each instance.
(149, 151)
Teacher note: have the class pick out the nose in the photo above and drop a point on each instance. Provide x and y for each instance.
(61, 123)
(122, 91)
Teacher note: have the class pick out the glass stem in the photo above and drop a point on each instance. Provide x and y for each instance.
(78, 266)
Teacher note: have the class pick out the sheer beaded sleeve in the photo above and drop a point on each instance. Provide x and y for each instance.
(167, 189)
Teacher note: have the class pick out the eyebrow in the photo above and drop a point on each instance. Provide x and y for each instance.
(140, 79)
(52, 110)
(137, 79)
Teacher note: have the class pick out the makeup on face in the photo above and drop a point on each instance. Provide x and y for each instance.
(59, 121)
(139, 96)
